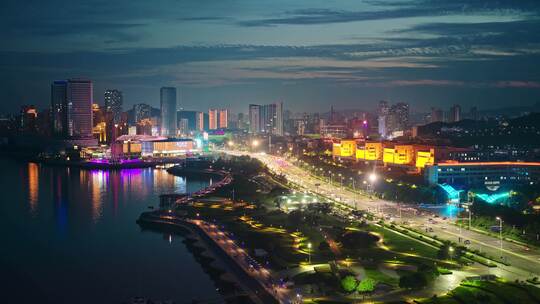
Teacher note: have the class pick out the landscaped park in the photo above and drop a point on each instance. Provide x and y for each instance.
(328, 256)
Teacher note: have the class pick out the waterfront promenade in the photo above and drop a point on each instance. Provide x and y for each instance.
(257, 280)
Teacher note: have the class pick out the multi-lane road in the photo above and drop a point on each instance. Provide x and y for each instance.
(524, 261)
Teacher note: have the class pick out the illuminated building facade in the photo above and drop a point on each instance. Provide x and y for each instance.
(404, 155)
(213, 119)
(80, 97)
(59, 108)
(266, 119)
(168, 111)
(491, 175)
(223, 119)
(166, 148)
(199, 121)
(113, 104)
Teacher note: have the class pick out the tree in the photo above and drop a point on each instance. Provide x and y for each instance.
(324, 246)
(295, 218)
(349, 283)
(415, 280)
(366, 285)
(358, 239)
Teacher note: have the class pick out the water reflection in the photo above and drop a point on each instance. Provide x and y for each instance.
(84, 192)
(99, 180)
(33, 187)
(66, 222)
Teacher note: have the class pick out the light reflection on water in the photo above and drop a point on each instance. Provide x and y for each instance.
(72, 236)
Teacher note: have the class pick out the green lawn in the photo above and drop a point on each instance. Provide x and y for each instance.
(497, 292)
(381, 277)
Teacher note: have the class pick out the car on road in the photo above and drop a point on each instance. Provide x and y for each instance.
(467, 242)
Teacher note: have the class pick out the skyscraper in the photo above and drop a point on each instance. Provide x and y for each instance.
(80, 97)
(59, 108)
(113, 104)
(223, 118)
(393, 118)
(213, 119)
(455, 113)
(436, 115)
(266, 118)
(199, 121)
(382, 118)
(254, 118)
(168, 111)
(142, 111)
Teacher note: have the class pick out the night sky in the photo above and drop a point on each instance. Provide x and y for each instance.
(307, 53)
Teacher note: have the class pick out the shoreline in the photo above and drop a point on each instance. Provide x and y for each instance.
(243, 278)
(227, 285)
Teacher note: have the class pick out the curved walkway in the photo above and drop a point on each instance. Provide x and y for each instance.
(256, 280)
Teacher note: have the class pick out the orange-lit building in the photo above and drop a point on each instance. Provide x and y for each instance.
(373, 151)
(418, 156)
(348, 148)
(223, 119)
(213, 119)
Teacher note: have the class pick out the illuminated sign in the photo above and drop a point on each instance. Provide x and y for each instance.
(492, 198)
(453, 194)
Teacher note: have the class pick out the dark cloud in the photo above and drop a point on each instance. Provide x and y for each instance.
(402, 9)
(432, 62)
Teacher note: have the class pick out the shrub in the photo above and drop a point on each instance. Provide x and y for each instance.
(349, 283)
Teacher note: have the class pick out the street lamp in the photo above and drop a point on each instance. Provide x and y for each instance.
(498, 218)
(230, 143)
(309, 252)
(255, 143)
(451, 250)
(372, 177)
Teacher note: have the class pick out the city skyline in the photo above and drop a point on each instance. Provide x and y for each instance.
(425, 53)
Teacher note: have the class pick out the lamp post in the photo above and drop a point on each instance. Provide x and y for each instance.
(500, 232)
(309, 252)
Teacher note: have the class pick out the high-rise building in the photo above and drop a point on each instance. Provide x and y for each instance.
(113, 104)
(383, 108)
(437, 115)
(191, 117)
(213, 119)
(266, 118)
(241, 122)
(183, 126)
(79, 97)
(142, 111)
(59, 108)
(455, 113)
(223, 118)
(382, 118)
(254, 118)
(199, 121)
(278, 120)
(168, 111)
(392, 119)
(29, 117)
